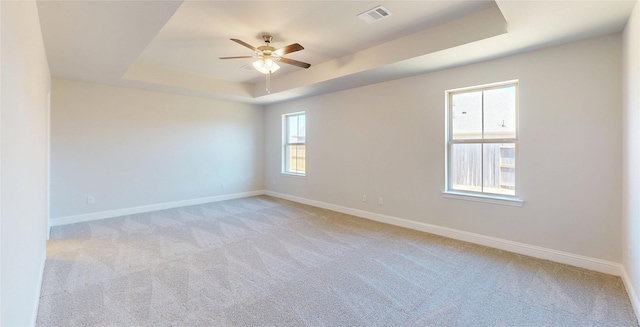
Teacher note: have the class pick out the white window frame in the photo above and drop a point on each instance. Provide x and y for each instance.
(449, 192)
(285, 143)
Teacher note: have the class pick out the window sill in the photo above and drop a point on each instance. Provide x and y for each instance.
(513, 202)
(293, 174)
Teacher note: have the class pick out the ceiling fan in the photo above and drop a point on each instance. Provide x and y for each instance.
(268, 56)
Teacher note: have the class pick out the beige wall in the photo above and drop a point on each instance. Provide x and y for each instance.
(24, 145)
(131, 148)
(388, 140)
(631, 154)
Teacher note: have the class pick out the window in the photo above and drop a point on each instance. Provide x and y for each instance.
(482, 141)
(294, 130)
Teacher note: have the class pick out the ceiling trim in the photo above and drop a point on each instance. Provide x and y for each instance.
(471, 28)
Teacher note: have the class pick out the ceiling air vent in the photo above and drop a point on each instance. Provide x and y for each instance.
(375, 14)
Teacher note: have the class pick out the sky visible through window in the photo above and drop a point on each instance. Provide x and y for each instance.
(498, 106)
(297, 129)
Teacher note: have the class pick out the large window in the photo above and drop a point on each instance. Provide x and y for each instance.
(294, 130)
(482, 140)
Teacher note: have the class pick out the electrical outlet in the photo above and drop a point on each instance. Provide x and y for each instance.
(91, 199)
(381, 201)
(364, 198)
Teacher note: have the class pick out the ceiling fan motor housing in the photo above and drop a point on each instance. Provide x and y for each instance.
(266, 50)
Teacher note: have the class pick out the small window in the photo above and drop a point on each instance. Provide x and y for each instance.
(294, 131)
(482, 140)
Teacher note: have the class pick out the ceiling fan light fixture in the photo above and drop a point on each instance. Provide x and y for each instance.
(268, 56)
(266, 66)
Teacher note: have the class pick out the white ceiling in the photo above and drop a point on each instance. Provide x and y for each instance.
(173, 46)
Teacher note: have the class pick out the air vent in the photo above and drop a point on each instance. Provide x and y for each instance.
(375, 14)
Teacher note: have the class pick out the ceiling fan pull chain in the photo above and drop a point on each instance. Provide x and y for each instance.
(269, 82)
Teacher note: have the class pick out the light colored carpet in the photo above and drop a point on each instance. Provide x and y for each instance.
(262, 261)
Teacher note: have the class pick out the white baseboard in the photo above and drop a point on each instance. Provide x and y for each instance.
(633, 296)
(594, 264)
(148, 208)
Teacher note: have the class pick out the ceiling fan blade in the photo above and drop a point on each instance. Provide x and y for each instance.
(294, 62)
(236, 57)
(288, 49)
(244, 43)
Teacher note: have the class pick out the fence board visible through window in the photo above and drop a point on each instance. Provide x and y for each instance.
(495, 174)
